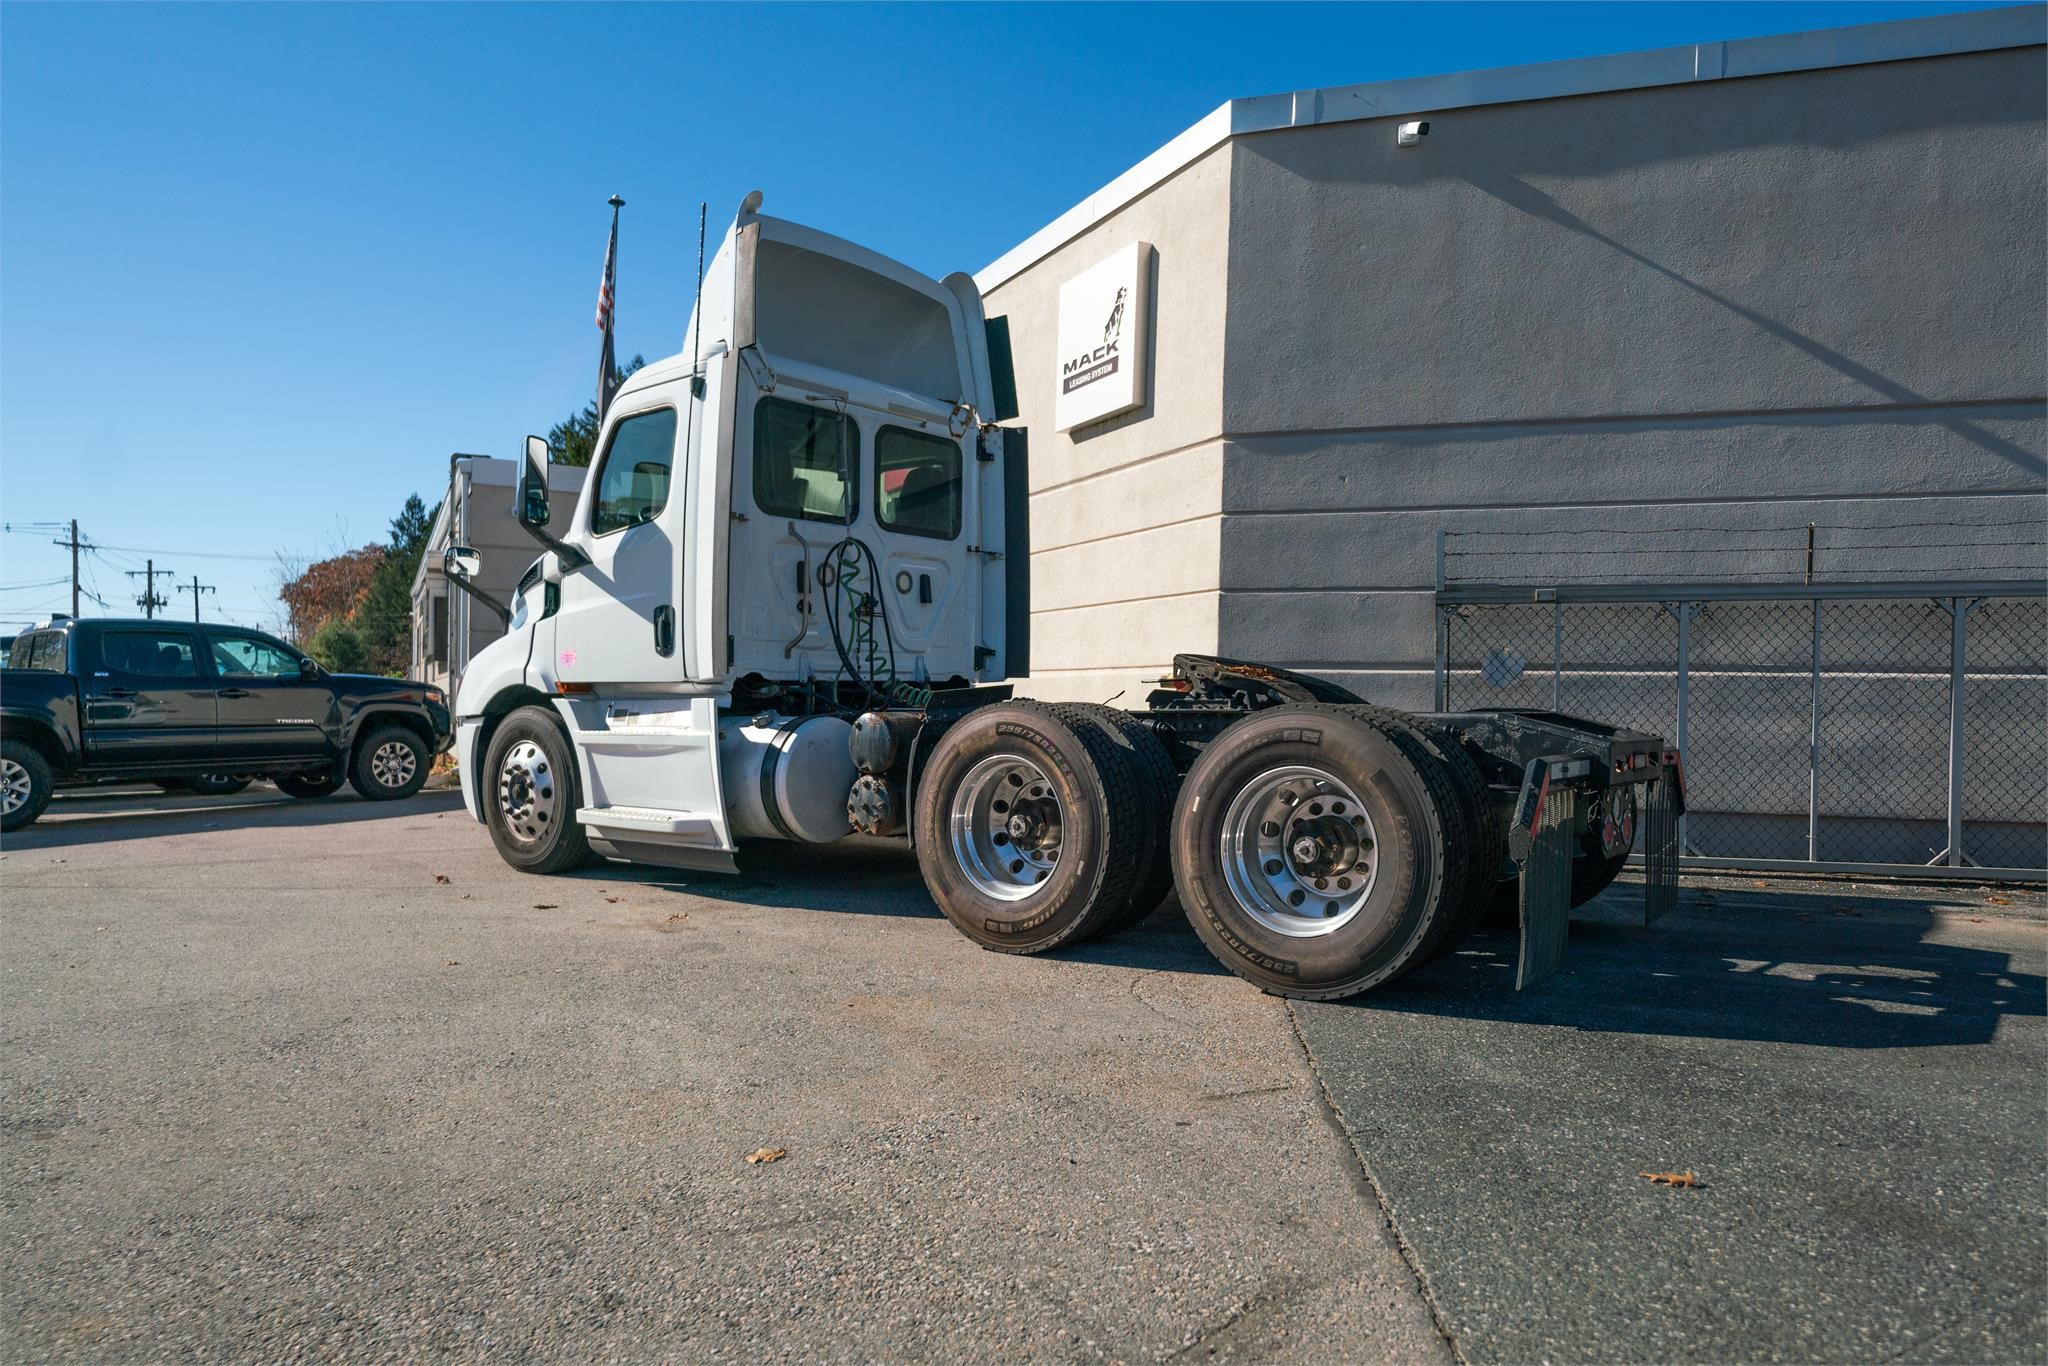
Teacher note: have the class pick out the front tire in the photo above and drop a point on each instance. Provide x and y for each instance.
(390, 762)
(1318, 855)
(529, 794)
(25, 785)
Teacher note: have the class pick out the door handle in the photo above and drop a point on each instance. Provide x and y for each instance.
(232, 692)
(118, 692)
(664, 630)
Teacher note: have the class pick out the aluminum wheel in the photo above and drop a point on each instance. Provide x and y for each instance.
(14, 787)
(1005, 824)
(526, 792)
(393, 764)
(1299, 852)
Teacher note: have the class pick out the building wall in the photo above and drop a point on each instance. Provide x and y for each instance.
(1126, 513)
(1661, 313)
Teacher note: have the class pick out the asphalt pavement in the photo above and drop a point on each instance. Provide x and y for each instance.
(327, 1078)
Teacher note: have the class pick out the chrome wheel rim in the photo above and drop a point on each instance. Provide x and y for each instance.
(393, 764)
(1006, 823)
(526, 792)
(1299, 852)
(14, 786)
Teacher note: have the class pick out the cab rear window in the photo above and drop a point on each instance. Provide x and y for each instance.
(917, 483)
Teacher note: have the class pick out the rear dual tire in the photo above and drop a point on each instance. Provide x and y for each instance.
(1322, 851)
(1038, 825)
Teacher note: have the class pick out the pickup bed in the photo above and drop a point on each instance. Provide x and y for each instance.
(88, 701)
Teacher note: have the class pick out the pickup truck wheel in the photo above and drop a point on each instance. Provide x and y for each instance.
(391, 762)
(1029, 832)
(1316, 854)
(308, 786)
(25, 784)
(529, 792)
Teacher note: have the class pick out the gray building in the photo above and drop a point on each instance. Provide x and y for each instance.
(1653, 301)
(448, 625)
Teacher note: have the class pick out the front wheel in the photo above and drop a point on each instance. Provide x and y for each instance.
(391, 762)
(25, 785)
(528, 791)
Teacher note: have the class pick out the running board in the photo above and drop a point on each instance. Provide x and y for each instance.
(647, 820)
(644, 834)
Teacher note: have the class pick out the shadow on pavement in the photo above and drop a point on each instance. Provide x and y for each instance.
(74, 821)
(1829, 969)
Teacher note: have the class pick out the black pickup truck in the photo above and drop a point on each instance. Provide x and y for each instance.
(207, 706)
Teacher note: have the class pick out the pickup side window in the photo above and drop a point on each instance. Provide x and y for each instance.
(633, 485)
(806, 461)
(252, 657)
(43, 650)
(917, 483)
(159, 653)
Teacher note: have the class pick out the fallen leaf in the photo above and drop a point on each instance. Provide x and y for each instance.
(615, 898)
(545, 906)
(1975, 919)
(1998, 900)
(1684, 1178)
(767, 1154)
(1759, 884)
(441, 878)
(452, 963)
(678, 918)
(99, 929)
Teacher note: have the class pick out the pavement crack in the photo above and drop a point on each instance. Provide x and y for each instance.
(1334, 1117)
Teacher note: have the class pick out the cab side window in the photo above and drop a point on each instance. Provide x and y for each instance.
(806, 461)
(633, 486)
(917, 483)
(158, 653)
(251, 657)
(44, 650)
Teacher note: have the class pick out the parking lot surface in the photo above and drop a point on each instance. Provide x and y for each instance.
(328, 1078)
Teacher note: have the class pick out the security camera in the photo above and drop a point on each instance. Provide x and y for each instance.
(1408, 134)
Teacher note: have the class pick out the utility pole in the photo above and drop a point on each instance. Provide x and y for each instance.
(73, 543)
(149, 601)
(195, 588)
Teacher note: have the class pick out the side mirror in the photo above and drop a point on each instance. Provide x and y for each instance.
(308, 669)
(460, 562)
(533, 484)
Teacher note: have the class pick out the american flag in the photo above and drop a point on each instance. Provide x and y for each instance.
(607, 376)
(605, 282)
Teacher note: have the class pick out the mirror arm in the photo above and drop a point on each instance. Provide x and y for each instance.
(570, 556)
(503, 612)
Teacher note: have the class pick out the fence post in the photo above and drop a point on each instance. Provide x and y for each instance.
(1556, 655)
(1441, 694)
(1813, 751)
(1959, 610)
(1685, 612)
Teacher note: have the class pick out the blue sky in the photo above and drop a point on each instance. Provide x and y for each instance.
(263, 267)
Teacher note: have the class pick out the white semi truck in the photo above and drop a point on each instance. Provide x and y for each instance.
(786, 608)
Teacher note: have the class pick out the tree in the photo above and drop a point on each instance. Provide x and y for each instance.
(384, 619)
(338, 646)
(328, 590)
(574, 441)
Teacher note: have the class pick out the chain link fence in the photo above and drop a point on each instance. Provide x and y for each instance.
(1866, 727)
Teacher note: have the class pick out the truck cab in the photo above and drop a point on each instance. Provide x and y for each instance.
(807, 513)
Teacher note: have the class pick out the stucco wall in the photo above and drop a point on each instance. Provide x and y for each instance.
(1737, 304)
(1126, 513)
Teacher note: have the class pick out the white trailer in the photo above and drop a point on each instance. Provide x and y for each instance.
(786, 608)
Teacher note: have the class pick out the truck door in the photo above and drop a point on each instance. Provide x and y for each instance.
(148, 697)
(795, 490)
(619, 617)
(917, 524)
(268, 708)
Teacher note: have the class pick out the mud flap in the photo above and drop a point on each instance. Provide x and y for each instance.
(1666, 799)
(1542, 840)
